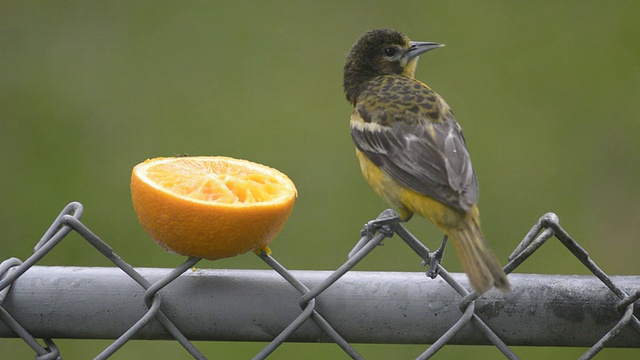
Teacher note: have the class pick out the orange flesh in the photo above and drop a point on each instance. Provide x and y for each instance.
(216, 182)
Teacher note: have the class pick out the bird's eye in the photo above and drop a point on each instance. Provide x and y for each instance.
(390, 51)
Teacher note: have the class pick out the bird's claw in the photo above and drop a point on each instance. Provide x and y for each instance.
(371, 228)
(383, 224)
(435, 258)
(434, 263)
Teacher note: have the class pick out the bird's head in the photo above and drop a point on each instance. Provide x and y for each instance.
(382, 52)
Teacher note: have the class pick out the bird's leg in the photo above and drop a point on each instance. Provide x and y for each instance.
(435, 258)
(381, 224)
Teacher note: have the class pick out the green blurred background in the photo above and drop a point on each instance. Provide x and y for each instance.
(547, 93)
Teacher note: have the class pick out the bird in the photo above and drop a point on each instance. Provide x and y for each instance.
(412, 151)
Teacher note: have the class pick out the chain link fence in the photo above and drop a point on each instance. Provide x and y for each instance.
(342, 306)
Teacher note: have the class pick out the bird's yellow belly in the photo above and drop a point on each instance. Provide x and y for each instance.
(408, 201)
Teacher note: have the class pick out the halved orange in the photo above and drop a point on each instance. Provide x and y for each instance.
(211, 207)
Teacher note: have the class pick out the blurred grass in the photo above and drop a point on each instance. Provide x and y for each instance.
(547, 93)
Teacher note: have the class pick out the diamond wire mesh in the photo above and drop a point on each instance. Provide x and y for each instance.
(385, 226)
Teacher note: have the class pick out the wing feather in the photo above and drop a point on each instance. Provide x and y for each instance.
(430, 157)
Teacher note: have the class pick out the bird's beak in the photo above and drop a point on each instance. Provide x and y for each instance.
(418, 48)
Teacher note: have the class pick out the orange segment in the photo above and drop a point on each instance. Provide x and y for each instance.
(211, 207)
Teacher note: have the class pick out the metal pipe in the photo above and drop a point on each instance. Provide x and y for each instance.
(364, 307)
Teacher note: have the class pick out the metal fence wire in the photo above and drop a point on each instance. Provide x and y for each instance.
(595, 312)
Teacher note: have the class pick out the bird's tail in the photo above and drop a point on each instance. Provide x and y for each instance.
(479, 262)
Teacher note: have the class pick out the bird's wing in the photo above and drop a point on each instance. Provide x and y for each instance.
(429, 157)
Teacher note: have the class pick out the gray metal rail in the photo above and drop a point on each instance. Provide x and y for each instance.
(370, 307)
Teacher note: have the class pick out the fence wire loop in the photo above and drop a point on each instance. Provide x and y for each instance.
(8, 267)
(374, 232)
(625, 302)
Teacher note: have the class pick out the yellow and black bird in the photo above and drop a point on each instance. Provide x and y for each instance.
(411, 149)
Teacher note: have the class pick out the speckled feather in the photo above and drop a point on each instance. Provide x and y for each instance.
(418, 141)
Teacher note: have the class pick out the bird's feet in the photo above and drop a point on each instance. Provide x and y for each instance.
(435, 258)
(382, 224)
